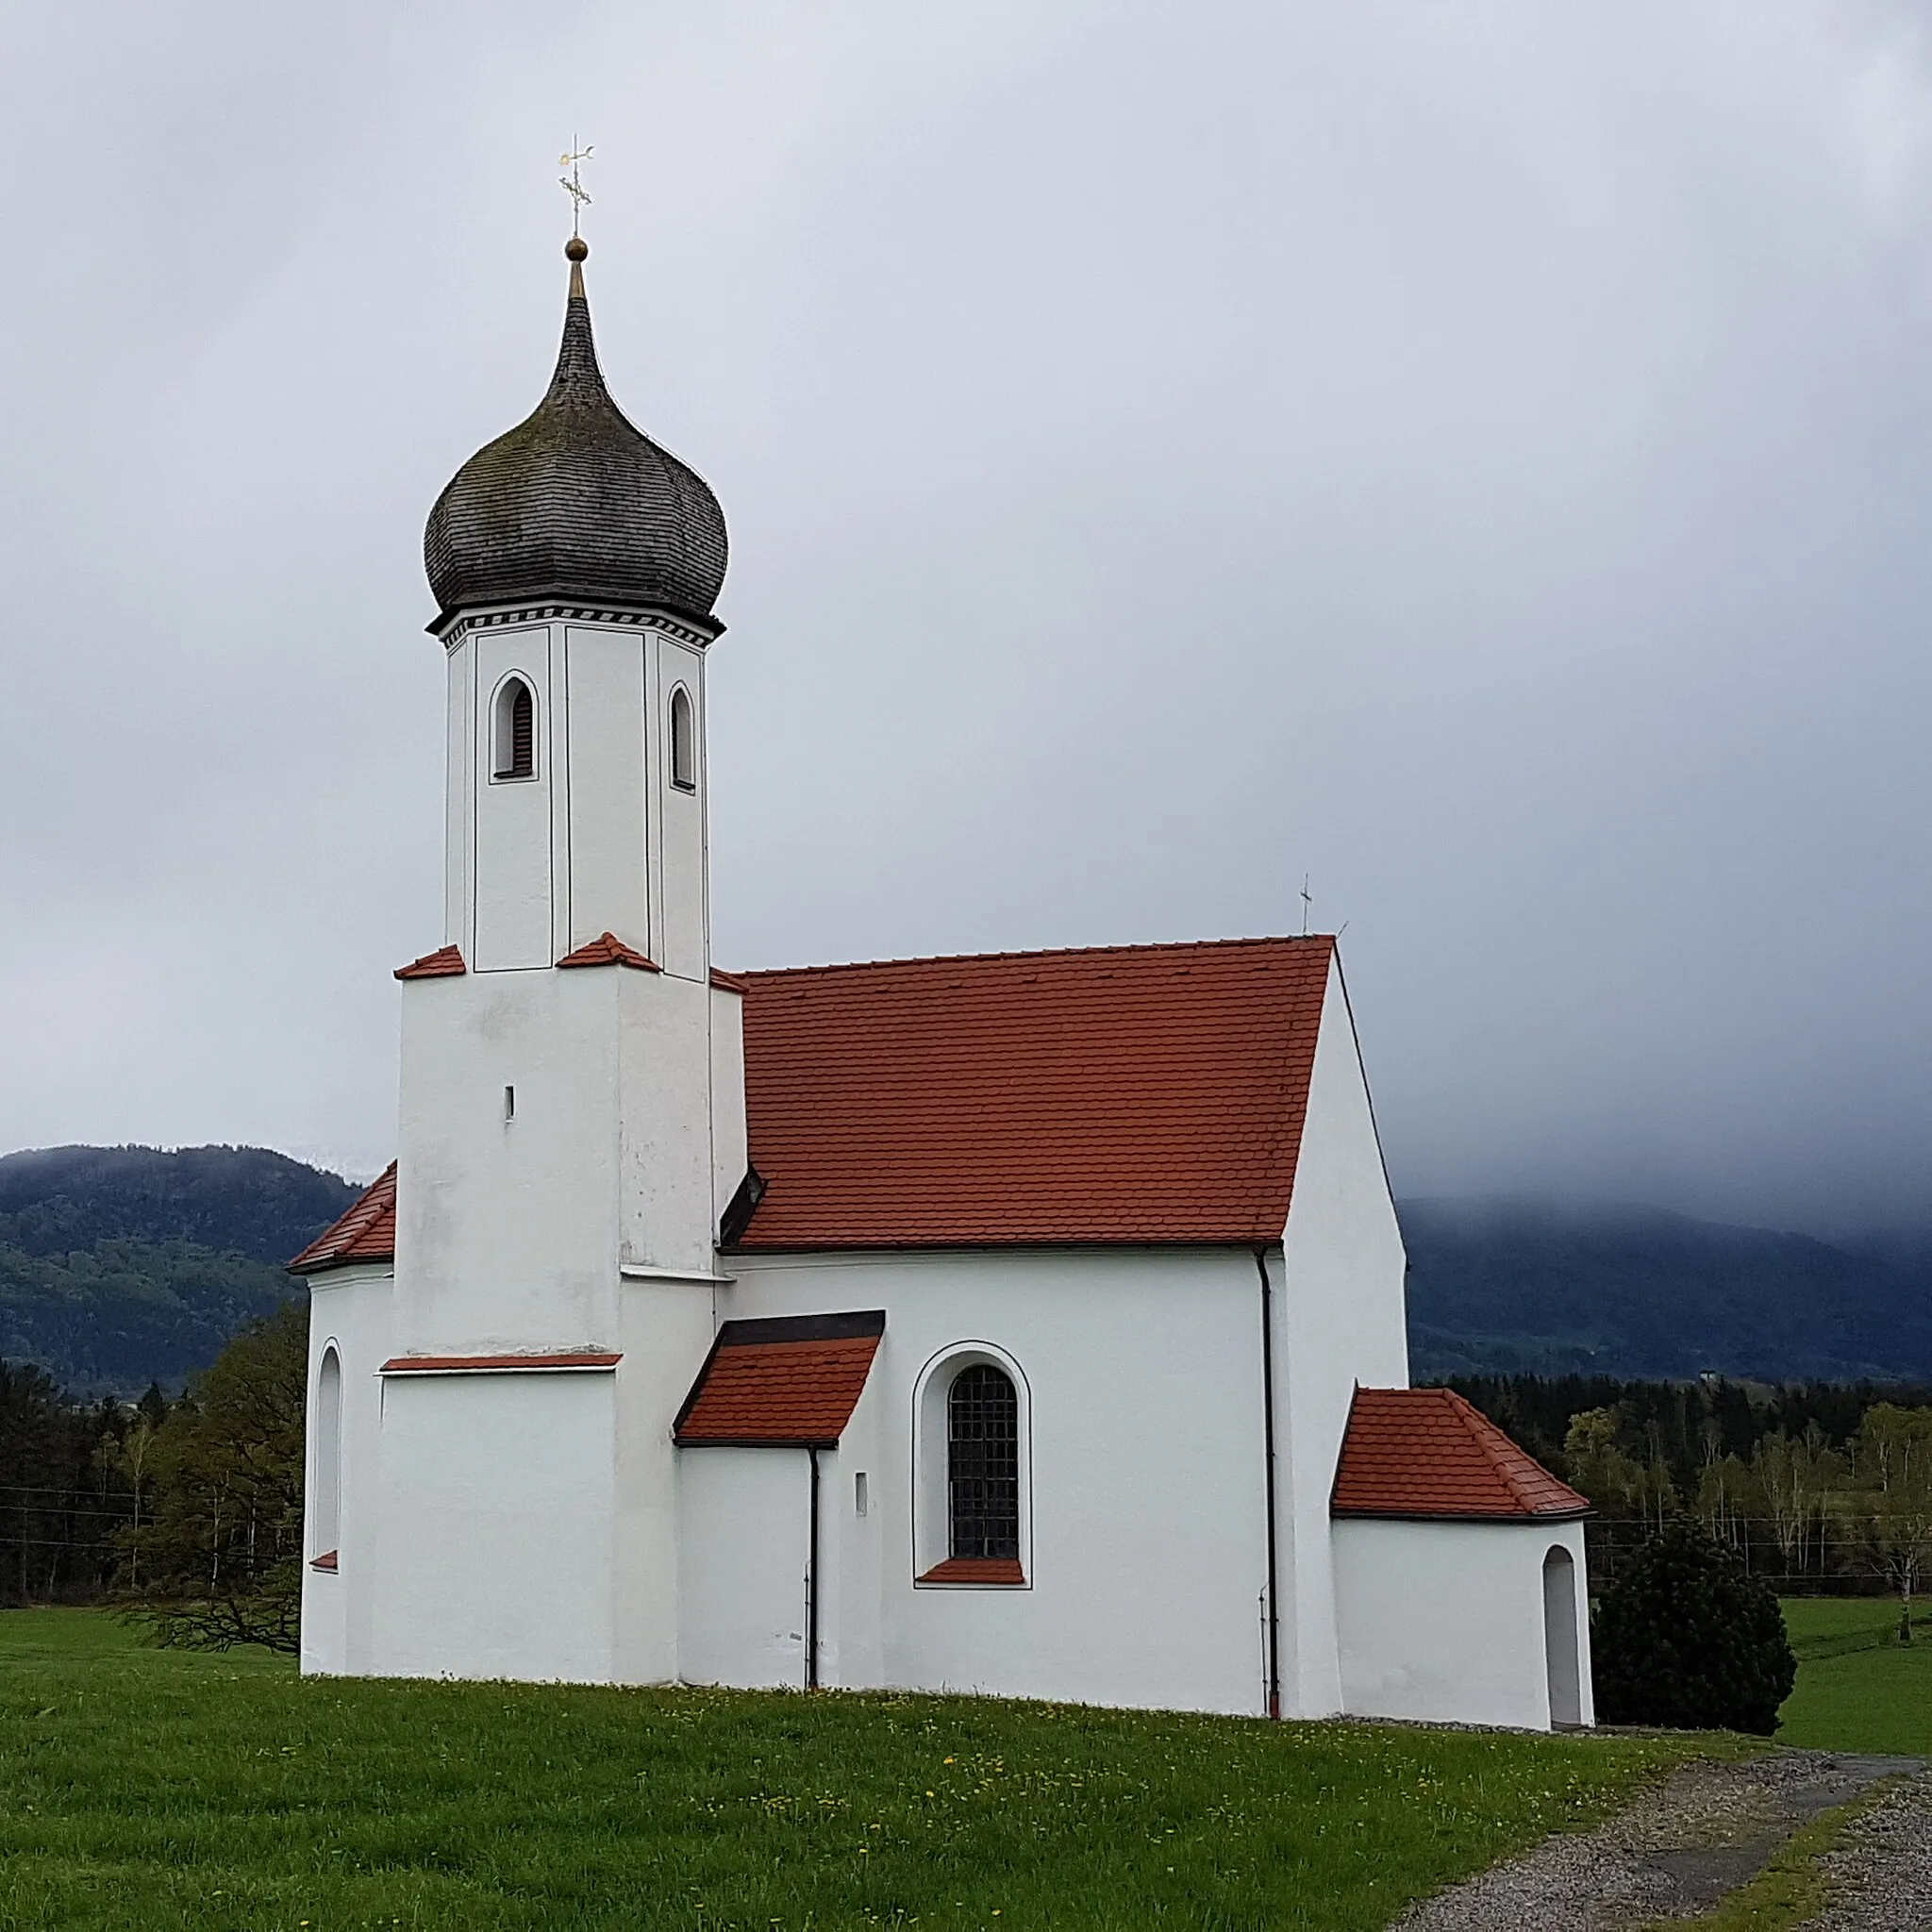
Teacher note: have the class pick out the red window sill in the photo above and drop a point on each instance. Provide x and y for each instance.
(983, 1569)
(326, 1561)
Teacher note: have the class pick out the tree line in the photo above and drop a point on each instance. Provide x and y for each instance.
(1817, 1487)
(184, 1512)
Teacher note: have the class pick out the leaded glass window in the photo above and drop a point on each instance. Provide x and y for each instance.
(983, 1463)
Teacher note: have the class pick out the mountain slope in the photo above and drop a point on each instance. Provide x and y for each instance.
(125, 1265)
(1547, 1288)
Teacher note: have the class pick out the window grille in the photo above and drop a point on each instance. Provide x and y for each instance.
(983, 1463)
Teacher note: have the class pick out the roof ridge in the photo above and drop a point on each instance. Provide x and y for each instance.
(1504, 1453)
(1482, 1432)
(1135, 946)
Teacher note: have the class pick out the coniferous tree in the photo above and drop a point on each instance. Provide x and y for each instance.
(1687, 1638)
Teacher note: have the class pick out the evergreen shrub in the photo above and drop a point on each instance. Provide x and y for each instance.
(1686, 1637)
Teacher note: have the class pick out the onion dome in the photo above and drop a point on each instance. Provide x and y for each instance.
(576, 503)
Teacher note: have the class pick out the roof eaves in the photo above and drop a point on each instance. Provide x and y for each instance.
(1506, 1517)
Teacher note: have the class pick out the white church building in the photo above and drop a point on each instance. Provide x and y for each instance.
(1027, 1324)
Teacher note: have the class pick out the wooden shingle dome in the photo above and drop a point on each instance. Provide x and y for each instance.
(576, 503)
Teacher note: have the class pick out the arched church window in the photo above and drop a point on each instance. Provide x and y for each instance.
(983, 1463)
(326, 1507)
(516, 732)
(684, 750)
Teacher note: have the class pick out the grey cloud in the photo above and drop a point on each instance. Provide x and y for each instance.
(1474, 457)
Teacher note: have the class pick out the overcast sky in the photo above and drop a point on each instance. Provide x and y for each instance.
(1477, 457)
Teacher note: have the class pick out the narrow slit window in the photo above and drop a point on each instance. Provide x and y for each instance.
(516, 732)
(983, 1464)
(684, 750)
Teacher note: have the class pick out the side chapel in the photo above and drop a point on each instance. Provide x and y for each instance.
(1028, 1323)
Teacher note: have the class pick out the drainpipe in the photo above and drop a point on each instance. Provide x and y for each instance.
(811, 1582)
(1268, 1465)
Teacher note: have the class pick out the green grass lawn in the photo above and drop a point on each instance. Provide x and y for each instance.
(1858, 1687)
(156, 1789)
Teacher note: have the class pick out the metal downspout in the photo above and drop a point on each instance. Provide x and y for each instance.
(812, 1583)
(1268, 1439)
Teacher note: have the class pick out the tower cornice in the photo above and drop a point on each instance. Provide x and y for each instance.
(451, 628)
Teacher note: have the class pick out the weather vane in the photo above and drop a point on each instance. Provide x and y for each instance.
(572, 186)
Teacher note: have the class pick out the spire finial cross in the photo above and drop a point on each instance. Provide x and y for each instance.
(572, 185)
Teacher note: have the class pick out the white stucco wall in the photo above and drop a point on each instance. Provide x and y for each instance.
(495, 1526)
(730, 1146)
(743, 1528)
(512, 1226)
(608, 786)
(348, 1311)
(1340, 1319)
(665, 1145)
(1142, 1458)
(507, 1227)
(665, 1331)
(684, 867)
(1444, 1621)
(511, 919)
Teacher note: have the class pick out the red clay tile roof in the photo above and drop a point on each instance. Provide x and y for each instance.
(366, 1233)
(1123, 1093)
(975, 1569)
(1426, 1452)
(444, 963)
(790, 1380)
(731, 982)
(498, 1364)
(609, 950)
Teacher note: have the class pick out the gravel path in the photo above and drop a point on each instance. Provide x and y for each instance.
(1881, 1876)
(1674, 1852)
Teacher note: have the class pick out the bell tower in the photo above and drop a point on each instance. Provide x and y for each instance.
(575, 564)
(572, 1089)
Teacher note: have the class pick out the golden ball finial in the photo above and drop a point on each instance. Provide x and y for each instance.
(576, 249)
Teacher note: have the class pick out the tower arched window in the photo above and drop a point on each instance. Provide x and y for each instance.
(983, 1464)
(684, 748)
(515, 733)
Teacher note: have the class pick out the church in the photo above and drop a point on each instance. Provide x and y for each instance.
(1023, 1323)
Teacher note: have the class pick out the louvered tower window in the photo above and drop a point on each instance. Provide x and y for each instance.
(516, 732)
(983, 1463)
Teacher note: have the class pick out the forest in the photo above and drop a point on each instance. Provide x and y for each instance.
(1824, 1488)
(188, 1510)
